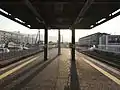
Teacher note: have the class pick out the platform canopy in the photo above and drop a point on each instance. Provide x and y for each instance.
(60, 14)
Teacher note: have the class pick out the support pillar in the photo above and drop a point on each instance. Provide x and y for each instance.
(45, 44)
(59, 46)
(39, 36)
(73, 45)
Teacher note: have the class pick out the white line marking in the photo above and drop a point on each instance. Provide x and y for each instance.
(104, 65)
(113, 78)
(16, 68)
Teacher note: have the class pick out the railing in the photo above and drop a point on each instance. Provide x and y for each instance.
(16, 55)
(19, 54)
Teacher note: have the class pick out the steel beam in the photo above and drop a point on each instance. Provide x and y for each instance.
(73, 45)
(59, 43)
(34, 11)
(107, 18)
(46, 44)
(12, 18)
(55, 2)
(83, 11)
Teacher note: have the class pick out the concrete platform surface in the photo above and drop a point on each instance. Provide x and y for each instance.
(64, 74)
(59, 76)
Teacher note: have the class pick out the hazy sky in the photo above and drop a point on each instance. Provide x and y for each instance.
(111, 27)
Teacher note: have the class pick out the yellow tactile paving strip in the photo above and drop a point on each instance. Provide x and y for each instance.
(92, 79)
(54, 77)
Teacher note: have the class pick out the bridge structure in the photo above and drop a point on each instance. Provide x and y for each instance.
(61, 14)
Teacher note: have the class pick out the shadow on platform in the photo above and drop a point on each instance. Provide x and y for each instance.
(24, 82)
(74, 80)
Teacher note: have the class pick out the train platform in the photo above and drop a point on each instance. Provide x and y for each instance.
(64, 74)
(94, 75)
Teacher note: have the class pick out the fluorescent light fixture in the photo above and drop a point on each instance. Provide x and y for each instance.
(9, 14)
(116, 12)
(28, 25)
(110, 14)
(92, 26)
(19, 20)
(3, 11)
(101, 20)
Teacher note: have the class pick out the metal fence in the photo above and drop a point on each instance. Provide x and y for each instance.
(13, 55)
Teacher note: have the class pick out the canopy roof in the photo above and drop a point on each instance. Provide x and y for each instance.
(60, 14)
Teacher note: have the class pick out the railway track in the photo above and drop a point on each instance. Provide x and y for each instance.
(115, 62)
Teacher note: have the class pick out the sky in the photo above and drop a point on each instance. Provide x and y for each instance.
(112, 27)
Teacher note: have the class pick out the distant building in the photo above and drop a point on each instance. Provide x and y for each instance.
(16, 37)
(90, 40)
(109, 43)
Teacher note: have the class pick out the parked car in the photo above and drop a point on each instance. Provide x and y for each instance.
(25, 48)
(4, 50)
